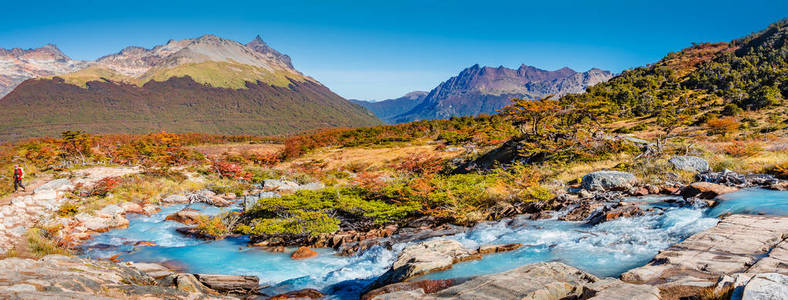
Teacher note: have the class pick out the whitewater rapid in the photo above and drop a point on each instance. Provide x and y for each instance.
(606, 249)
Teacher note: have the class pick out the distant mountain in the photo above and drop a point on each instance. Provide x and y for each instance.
(17, 65)
(486, 89)
(207, 84)
(388, 109)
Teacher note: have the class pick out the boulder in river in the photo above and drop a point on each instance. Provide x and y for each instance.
(706, 190)
(690, 164)
(552, 280)
(232, 284)
(303, 253)
(299, 294)
(423, 258)
(609, 181)
(185, 216)
(185, 282)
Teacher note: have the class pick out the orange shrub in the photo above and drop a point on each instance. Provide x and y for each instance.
(742, 149)
(723, 125)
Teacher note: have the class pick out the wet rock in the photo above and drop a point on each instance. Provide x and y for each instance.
(690, 164)
(232, 284)
(300, 294)
(779, 186)
(198, 234)
(551, 280)
(303, 253)
(582, 211)
(185, 282)
(185, 216)
(424, 258)
(488, 249)
(612, 213)
(426, 286)
(608, 181)
(737, 244)
(351, 242)
(706, 190)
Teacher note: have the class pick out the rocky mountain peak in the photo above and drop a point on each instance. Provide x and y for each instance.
(482, 89)
(257, 44)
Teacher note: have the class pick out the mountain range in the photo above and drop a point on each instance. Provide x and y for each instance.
(206, 84)
(476, 90)
(17, 65)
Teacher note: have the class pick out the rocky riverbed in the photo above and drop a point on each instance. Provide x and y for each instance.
(655, 238)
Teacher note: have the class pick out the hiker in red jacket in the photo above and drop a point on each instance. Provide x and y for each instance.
(18, 175)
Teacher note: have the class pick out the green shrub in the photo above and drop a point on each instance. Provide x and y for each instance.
(68, 209)
(299, 223)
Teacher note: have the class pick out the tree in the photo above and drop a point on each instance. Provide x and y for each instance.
(532, 116)
(670, 118)
(77, 142)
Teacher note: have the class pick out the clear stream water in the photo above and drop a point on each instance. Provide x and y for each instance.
(607, 249)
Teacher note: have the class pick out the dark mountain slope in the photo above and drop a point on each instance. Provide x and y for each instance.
(42, 107)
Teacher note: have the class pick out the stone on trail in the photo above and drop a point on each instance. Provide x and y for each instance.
(690, 164)
(609, 181)
(55, 185)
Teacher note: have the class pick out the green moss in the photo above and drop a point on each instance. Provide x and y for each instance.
(310, 212)
(300, 222)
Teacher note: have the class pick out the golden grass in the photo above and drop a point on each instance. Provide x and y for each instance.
(142, 189)
(214, 151)
(41, 245)
(372, 159)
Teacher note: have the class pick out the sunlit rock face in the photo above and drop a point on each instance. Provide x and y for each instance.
(486, 90)
(17, 65)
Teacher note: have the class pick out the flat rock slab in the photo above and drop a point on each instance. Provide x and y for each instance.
(732, 246)
(61, 277)
(423, 258)
(546, 281)
(230, 283)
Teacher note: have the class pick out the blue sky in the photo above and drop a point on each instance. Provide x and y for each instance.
(383, 49)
